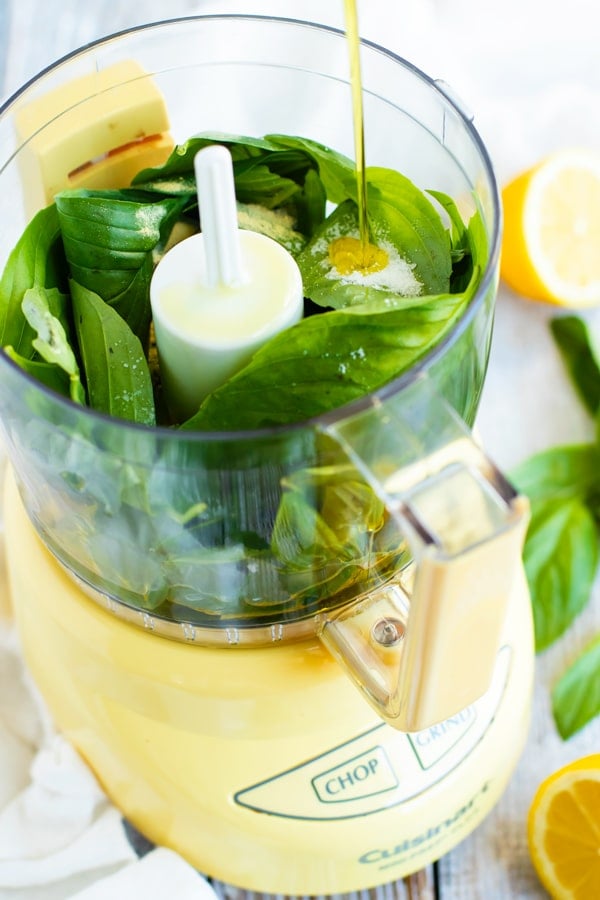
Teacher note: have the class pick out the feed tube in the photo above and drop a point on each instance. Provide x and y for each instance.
(219, 295)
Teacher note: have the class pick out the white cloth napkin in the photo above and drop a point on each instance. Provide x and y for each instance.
(158, 875)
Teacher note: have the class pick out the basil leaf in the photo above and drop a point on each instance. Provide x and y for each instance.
(581, 357)
(36, 261)
(47, 373)
(560, 473)
(397, 210)
(576, 696)
(469, 244)
(51, 342)
(310, 204)
(257, 184)
(181, 160)
(109, 243)
(478, 242)
(274, 223)
(326, 287)
(337, 172)
(327, 360)
(182, 185)
(325, 515)
(459, 236)
(331, 533)
(561, 546)
(257, 179)
(265, 176)
(413, 225)
(301, 538)
(116, 370)
(560, 557)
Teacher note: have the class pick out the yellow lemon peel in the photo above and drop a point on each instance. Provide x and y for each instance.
(550, 249)
(563, 831)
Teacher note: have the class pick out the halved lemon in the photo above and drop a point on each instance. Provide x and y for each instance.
(563, 831)
(551, 242)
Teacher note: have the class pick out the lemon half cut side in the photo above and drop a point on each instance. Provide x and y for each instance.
(563, 831)
(551, 242)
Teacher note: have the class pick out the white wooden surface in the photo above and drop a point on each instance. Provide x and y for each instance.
(527, 402)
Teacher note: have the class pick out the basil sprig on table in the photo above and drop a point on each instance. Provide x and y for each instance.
(561, 552)
(561, 549)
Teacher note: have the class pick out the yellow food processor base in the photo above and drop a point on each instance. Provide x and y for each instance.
(263, 767)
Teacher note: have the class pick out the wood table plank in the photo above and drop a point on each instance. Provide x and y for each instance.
(420, 886)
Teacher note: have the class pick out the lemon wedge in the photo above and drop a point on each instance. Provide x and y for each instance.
(551, 243)
(563, 831)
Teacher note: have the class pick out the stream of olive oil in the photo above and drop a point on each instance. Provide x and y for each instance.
(348, 254)
(353, 38)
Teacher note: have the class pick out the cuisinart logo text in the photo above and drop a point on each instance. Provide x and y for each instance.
(387, 855)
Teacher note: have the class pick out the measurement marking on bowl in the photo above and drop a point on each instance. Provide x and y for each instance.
(189, 632)
(148, 622)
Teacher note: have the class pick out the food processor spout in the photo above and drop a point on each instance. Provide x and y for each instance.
(423, 646)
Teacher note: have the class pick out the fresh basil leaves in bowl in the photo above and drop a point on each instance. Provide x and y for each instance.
(244, 512)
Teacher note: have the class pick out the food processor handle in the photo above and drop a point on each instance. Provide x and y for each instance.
(424, 646)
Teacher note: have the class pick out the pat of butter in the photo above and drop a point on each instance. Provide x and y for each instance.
(93, 131)
(206, 334)
(118, 168)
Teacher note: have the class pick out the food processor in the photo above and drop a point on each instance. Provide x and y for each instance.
(300, 656)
